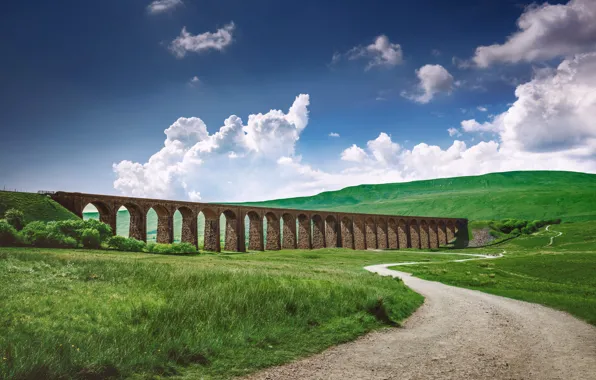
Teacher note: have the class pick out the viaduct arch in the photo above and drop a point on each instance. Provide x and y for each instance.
(302, 229)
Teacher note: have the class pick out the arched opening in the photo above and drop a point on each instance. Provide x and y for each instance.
(330, 232)
(273, 242)
(303, 231)
(318, 232)
(130, 217)
(371, 234)
(424, 235)
(359, 234)
(442, 232)
(211, 238)
(100, 211)
(392, 234)
(402, 234)
(185, 226)
(288, 231)
(433, 235)
(414, 235)
(159, 225)
(381, 234)
(347, 235)
(232, 234)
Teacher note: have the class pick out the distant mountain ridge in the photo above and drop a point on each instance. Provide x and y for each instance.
(570, 196)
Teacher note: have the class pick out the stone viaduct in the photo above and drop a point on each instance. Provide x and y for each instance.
(303, 229)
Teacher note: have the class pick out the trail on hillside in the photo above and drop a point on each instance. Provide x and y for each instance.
(459, 334)
(552, 238)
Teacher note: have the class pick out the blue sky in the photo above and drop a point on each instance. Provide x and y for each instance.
(87, 86)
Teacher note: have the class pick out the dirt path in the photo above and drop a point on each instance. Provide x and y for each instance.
(459, 334)
(552, 238)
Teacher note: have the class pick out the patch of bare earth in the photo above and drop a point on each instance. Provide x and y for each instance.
(459, 334)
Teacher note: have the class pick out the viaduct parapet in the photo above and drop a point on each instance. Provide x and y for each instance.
(303, 229)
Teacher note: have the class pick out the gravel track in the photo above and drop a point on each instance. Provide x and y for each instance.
(459, 334)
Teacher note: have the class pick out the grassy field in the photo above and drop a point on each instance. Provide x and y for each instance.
(522, 195)
(562, 276)
(83, 313)
(34, 206)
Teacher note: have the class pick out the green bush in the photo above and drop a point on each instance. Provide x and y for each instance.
(15, 218)
(47, 235)
(90, 238)
(74, 228)
(8, 234)
(165, 249)
(120, 243)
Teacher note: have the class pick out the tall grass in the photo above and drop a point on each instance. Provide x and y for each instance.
(84, 314)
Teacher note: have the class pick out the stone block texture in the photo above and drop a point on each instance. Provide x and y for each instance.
(304, 232)
(371, 234)
(359, 234)
(392, 234)
(289, 232)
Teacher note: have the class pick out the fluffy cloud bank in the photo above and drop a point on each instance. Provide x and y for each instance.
(553, 112)
(191, 155)
(546, 31)
(551, 126)
(188, 42)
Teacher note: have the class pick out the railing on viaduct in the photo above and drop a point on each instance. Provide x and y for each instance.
(303, 229)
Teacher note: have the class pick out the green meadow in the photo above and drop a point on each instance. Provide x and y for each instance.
(561, 275)
(79, 313)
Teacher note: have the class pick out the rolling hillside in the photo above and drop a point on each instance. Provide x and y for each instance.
(524, 195)
(34, 206)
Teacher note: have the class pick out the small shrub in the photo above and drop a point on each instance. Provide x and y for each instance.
(120, 243)
(8, 234)
(90, 238)
(164, 249)
(15, 218)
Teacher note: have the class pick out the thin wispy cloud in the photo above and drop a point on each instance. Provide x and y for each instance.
(161, 6)
(187, 42)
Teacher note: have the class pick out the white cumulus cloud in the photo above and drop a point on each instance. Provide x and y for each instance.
(453, 132)
(187, 42)
(553, 111)
(433, 79)
(546, 31)
(333, 134)
(190, 151)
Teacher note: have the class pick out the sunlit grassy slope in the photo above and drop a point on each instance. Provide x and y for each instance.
(34, 206)
(522, 195)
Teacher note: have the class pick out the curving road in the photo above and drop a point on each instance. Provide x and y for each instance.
(459, 334)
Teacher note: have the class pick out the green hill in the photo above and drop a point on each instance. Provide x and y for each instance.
(34, 206)
(525, 195)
